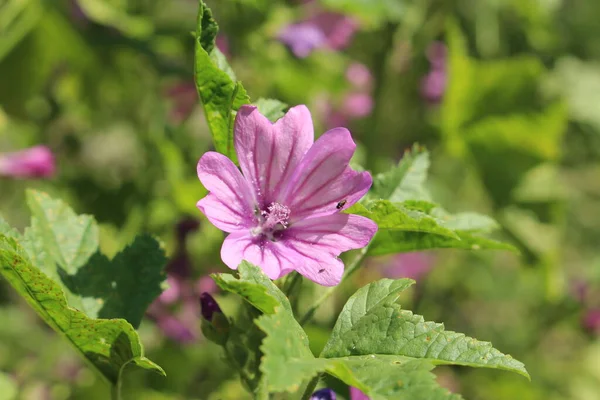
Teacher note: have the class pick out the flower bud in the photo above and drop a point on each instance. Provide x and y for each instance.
(323, 394)
(209, 306)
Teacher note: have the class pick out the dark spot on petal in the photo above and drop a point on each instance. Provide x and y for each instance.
(322, 270)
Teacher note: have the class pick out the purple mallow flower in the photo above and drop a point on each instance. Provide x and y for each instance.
(35, 162)
(283, 212)
(323, 394)
(324, 30)
(208, 306)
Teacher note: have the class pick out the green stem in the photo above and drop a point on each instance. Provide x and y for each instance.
(291, 282)
(311, 387)
(115, 391)
(262, 393)
(347, 273)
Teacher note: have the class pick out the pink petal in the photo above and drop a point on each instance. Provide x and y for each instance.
(230, 205)
(334, 233)
(240, 246)
(268, 153)
(316, 264)
(323, 179)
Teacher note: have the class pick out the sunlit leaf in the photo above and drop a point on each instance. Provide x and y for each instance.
(373, 323)
(108, 345)
(271, 108)
(221, 96)
(406, 180)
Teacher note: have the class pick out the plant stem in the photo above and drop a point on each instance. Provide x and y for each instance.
(347, 273)
(115, 392)
(310, 388)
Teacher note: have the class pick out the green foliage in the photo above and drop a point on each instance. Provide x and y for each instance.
(221, 96)
(18, 18)
(78, 291)
(373, 323)
(108, 345)
(372, 341)
(114, 15)
(407, 221)
(493, 111)
(270, 108)
(406, 181)
(371, 12)
(255, 287)
(123, 287)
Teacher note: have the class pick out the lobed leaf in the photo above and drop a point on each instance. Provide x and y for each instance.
(271, 108)
(220, 94)
(420, 225)
(406, 180)
(255, 287)
(108, 345)
(383, 327)
(288, 362)
(123, 287)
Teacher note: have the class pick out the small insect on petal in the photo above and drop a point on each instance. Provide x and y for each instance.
(341, 204)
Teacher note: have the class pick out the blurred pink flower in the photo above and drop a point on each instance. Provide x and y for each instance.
(356, 394)
(183, 97)
(433, 84)
(359, 76)
(591, 320)
(325, 30)
(35, 162)
(357, 105)
(284, 212)
(408, 265)
(222, 43)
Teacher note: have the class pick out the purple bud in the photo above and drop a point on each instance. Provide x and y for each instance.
(323, 394)
(35, 162)
(208, 306)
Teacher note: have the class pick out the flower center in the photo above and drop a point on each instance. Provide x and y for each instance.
(272, 221)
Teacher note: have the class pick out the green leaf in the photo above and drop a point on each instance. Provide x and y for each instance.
(419, 225)
(270, 108)
(8, 387)
(123, 287)
(64, 246)
(58, 238)
(382, 327)
(221, 96)
(288, 362)
(108, 345)
(390, 216)
(372, 13)
(255, 287)
(109, 14)
(406, 180)
(383, 377)
(17, 18)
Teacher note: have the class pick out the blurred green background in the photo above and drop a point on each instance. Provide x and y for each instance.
(512, 120)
